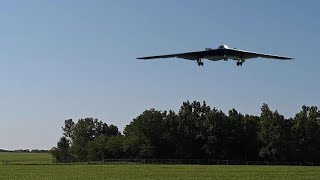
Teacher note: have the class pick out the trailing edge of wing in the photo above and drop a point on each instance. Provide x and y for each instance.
(189, 55)
(161, 56)
(248, 54)
(275, 57)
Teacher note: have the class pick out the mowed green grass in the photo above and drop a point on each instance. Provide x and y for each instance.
(49, 170)
(156, 172)
(25, 158)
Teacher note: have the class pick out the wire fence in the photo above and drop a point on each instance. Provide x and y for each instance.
(207, 162)
(167, 161)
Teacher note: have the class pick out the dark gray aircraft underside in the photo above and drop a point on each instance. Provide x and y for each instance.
(223, 52)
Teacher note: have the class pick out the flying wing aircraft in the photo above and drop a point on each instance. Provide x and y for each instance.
(223, 52)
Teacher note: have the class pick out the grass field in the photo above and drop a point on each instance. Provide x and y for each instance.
(25, 158)
(54, 171)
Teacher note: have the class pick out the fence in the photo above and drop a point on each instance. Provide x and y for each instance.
(170, 161)
(206, 162)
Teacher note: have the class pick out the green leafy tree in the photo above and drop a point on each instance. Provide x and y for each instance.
(216, 134)
(306, 128)
(88, 138)
(274, 135)
(145, 134)
(115, 146)
(190, 130)
(68, 128)
(61, 153)
(234, 146)
(250, 143)
(83, 133)
(98, 149)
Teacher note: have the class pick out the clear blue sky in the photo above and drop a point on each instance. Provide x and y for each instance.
(76, 58)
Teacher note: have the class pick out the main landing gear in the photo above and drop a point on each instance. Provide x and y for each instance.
(200, 63)
(240, 61)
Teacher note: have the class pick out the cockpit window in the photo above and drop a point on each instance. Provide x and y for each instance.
(223, 46)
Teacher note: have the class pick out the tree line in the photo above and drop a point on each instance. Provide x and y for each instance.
(25, 151)
(197, 131)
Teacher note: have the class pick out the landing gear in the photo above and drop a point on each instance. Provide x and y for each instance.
(225, 58)
(240, 61)
(200, 63)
